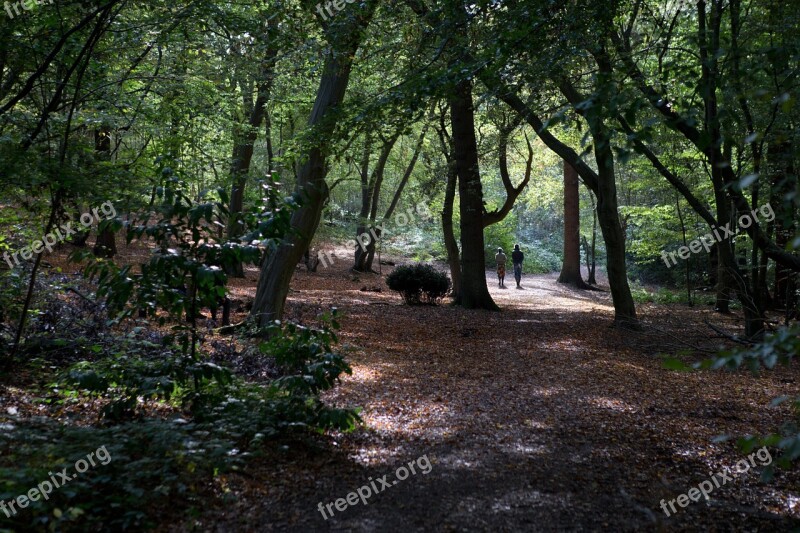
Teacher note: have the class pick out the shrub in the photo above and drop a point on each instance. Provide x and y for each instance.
(419, 284)
(541, 258)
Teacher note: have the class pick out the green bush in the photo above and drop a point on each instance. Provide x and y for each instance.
(641, 295)
(419, 284)
(214, 420)
(539, 258)
(500, 236)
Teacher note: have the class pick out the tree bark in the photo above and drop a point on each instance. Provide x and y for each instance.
(688, 265)
(369, 207)
(106, 244)
(592, 270)
(607, 207)
(784, 188)
(244, 144)
(398, 193)
(608, 217)
(278, 266)
(450, 242)
(474, 292)
(366, 198)
(571, 266)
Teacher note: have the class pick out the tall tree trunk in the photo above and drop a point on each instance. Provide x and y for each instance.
(279, 265)
(398, 193)
(474, 292)
(450, 243)
(688, 265)
(763, 265)
(367, 184)
(592, 278)
(607, 208)
(571, 266)
(608, 217)
(106, 244)
(784, 191)
(244, 144)
(365, 254)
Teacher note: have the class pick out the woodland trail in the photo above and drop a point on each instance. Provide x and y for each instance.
(538, 418)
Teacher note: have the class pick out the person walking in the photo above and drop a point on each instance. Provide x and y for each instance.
(501, 260)
(517, 257)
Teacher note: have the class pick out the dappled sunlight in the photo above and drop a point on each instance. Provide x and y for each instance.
(611, 404)
(543, 394)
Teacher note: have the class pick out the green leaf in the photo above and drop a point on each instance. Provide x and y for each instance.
(677, 365)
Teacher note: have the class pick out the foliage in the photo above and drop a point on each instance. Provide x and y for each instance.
(131, 381)
(419, 284)
(539, 258)
(662, 295)
(158, 459)
(309, 366)
(500, 235)
(152, 461)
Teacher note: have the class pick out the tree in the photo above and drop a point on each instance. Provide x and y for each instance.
(571, 269)
(245, 135)
(276, 273)
(474, 292)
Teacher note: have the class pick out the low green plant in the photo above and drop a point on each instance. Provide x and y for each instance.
(661, 296)
(419, 284)
(154, 465)
(227, 420)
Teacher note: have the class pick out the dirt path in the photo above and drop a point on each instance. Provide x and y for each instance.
(537, 418)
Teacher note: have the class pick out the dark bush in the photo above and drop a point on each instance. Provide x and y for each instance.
(419, 284)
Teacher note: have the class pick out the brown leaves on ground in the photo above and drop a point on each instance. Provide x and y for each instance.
(541, 417)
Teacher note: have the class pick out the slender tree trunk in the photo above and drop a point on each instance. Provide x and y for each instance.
(571, 266)
(450, 243)
(106, 244)
(244, 145)
(474, 292)
(608, 216)
(398, 193)
(688, 264)
(279, 265)
(763, 265)
(366, 198)
(784, 190)
(592, 279)
(368, 230)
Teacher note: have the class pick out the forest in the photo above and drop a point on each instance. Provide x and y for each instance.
(401, 265)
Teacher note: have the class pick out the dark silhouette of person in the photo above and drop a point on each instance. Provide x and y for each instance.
(517, 257)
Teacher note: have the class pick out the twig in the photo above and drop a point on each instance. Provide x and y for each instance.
(76, 291)
(728, 336)
(681, 341)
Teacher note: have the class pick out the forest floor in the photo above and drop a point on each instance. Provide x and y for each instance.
(540, 417)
